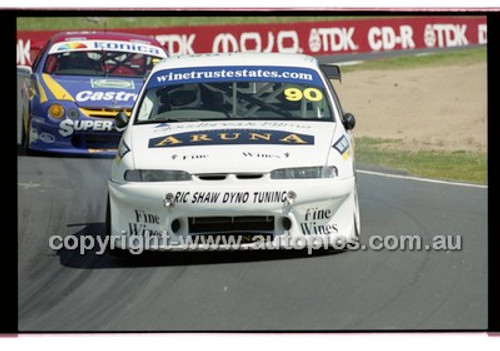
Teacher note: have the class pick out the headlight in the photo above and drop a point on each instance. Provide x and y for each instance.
(56, 111)
(73, 113)
(305, 173)
(123, 149)
(152, 175)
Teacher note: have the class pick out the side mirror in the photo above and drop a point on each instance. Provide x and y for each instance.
(349, 121)
(24, 70)
(121, 121)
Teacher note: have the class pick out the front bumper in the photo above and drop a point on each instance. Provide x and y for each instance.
(245, 209)
(44, 136)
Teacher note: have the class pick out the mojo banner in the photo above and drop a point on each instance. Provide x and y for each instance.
(313, 38)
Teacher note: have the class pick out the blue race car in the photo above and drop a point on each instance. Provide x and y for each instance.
(79, 82)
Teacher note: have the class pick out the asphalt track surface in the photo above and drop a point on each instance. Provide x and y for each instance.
(250, 291)
(361, 290)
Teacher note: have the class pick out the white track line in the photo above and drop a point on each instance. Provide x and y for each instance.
(427, 180)
(349, 63)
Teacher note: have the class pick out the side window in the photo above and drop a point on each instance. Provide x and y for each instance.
(39, 56)
(50, 64)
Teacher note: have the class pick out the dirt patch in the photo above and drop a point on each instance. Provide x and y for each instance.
(432, 108)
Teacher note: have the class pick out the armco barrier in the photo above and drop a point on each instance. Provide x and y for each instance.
(314, 38)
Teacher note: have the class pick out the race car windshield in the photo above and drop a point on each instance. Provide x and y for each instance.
(234, 100)
(100, 63)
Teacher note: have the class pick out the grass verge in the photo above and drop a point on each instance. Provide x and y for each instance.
(79, 22)
(460, 57)
(457, 165)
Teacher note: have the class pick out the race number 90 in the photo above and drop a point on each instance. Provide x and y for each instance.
(295, 94)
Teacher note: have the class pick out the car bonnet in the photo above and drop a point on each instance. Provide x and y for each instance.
(95, 92)
(224, 147)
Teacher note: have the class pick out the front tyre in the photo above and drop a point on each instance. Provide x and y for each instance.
(354, 243)
(110, 249)
(357, 219)
(25, 139)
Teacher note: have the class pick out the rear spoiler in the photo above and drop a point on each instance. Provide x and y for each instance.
(331, 71)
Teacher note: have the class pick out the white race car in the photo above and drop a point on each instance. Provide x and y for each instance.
(234, 151)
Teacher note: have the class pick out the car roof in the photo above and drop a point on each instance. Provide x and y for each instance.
(238, 59)
(100, 35)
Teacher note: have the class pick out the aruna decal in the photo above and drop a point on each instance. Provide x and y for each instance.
(232, 137)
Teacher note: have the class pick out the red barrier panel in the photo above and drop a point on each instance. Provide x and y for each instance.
(314, 38)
